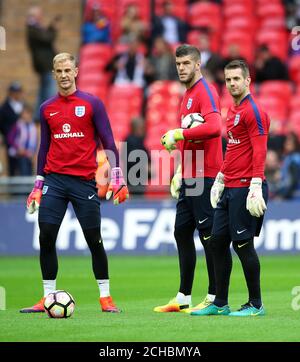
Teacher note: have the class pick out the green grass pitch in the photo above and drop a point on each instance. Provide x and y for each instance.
(137, 285)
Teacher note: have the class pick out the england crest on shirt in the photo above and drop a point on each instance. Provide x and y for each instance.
(80, 111)
(189, 103)
(236, 120)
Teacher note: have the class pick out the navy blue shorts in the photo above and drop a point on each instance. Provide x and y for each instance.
(233, 219)
(59, 189)
(195, 210)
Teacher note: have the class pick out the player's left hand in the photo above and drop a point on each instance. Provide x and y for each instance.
(34, 198)
(117, 187)
(176, 183)
(255, 202)
(170, 138)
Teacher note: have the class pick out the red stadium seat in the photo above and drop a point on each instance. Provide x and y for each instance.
(277, 88)
(294, 68)
(295, 103)
(237, 10)
(270, 9)
(275, 107)
(205, 14)
(98, 52)
(243, 23)
(123, 103)
(273, 23)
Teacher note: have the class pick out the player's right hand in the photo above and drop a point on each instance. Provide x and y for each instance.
(117, 187)
(34, 198)
(176, 183)
(217, 190)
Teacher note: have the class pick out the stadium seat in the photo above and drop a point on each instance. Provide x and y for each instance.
(123, 103)
(98, 52)
(294, 68)
(205, 14)
(243, 23)
(273, 23)
(275, 107)
(270, 9)
(278, 88)
(295, 103)
(237, 10)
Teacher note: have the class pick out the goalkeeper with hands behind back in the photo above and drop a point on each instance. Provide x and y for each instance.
(239, 195)
(72, 124)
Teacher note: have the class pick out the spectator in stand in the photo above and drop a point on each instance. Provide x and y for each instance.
(96, 28)
(272, 171)
(289, 185)
(211, 63)
(268, 66)
(161, 65)
(132, 25)
(10, 111)
(169, 26)
(233, 53)
(23, 142)
(40, 39)
(292, 11)
(128, 67)
(137, 178)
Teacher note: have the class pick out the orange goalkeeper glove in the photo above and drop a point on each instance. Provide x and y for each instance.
(117, 187)
(34, 199)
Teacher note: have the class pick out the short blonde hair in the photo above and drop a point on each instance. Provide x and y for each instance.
(61, 57)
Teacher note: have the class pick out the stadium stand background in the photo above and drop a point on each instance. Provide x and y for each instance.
(247, 23)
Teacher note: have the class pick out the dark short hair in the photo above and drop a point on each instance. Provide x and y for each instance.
(238, 64)
(186, 49)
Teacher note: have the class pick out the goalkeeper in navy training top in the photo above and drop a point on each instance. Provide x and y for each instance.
(239, 195)
(73, 123)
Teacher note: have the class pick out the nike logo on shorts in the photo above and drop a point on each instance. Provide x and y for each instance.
(240, 246)
(202, 221)
(206, 237)
(240, 232)
(53, 114)
(91, 196)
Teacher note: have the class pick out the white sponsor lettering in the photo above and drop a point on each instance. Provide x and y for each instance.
(69, 135)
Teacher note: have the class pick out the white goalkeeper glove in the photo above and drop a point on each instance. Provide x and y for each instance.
(255, 202)
(217, 190)
(176, 183)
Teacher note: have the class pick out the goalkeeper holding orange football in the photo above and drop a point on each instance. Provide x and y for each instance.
(239, 195)
(72, 125)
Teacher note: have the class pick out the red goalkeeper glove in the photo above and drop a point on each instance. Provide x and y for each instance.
(117, 187)
(34, 199)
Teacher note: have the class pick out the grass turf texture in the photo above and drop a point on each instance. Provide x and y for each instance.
(137, 285)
